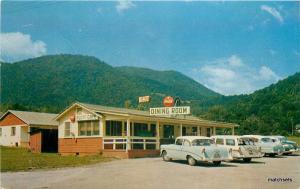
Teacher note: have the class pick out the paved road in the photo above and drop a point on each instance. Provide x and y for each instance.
(154, 173)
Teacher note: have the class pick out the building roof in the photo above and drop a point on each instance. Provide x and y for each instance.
(190, 138)
(99, 109)
(34, 118)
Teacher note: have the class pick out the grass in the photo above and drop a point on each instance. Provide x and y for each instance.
(20, 159)
(295, 139)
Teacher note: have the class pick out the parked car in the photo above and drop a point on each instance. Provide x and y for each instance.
(268, 147)
(289, 146)
(195, 148)
(242, 147)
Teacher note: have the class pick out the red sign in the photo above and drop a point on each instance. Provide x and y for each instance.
(168, 101)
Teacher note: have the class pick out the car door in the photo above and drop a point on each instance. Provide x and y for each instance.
(185, 149)
(176, 149)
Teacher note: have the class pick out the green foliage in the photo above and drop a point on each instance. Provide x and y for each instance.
(272, 110)
(50, 83)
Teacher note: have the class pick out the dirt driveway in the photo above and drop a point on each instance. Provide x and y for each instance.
(153, 173)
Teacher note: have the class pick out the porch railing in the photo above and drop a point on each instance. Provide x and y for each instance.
(141, 143)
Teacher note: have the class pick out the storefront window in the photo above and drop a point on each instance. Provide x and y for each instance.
(113, 128)
(88, 128)
(168, 131)
(141, 129)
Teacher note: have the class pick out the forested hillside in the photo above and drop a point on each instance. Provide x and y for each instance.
(274, 109)
(50, 83)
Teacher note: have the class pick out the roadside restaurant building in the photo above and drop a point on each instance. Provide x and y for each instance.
(125, 133)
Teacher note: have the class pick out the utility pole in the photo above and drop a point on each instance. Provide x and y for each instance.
(292, 126)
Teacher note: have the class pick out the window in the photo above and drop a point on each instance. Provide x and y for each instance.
(113, 128)
(67, 129)
(179, 142)
(141, 129)
(153, 130)
(202, 142)
(220, 141)
(184, 131)
(186, 143)
(0, 131)
(230, 142)
(208, 132)
(168, 131)
(194, 131)
(13, 131)
(266, 140)
(88, 128)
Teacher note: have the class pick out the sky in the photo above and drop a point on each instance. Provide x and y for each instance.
(230, 47)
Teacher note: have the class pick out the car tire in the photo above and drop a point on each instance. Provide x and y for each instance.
(217, 163)
(191, 161)
(247, 160)
(165, 156)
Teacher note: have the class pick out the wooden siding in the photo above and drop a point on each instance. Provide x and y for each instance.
(80, 145)
(36, 142)
(11, 119)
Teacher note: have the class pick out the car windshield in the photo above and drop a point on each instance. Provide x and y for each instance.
(202, 142)
(246, 141)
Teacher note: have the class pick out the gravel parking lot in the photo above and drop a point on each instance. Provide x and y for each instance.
(280, 172)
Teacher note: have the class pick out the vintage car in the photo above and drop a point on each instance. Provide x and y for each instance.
(268, 147)
(242, 147)
(289, 146)
(195, 148)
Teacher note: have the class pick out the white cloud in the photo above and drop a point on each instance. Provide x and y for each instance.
(124, 5)
(265, 73)
(231, 76)
(273, 11)
(17, 46)
(234, 60)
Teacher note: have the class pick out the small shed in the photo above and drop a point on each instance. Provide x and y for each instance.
(34, 130)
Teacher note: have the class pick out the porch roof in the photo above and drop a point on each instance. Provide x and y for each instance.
(99, 109)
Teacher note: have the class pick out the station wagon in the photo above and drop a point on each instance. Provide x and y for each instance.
(242, 147)
(195, 148)
(268, 147)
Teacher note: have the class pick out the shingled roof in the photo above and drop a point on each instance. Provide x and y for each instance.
(132, 112)
(34, 118)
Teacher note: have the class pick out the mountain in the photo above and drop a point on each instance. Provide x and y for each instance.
(50, 83)
(274, 109)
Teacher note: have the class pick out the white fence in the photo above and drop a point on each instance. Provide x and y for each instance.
(141, 143)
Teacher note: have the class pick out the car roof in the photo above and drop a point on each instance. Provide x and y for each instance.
(258, 136)
(227, 136)
(190, 138)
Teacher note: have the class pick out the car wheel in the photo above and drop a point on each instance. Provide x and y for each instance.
(217, 162)
(247, 160)
(165, 156)
(191, 161)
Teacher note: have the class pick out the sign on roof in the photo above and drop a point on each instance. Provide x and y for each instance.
(85, 117)
(166, 111)
(144, 99)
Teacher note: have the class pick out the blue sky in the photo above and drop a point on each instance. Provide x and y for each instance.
(230, 47)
